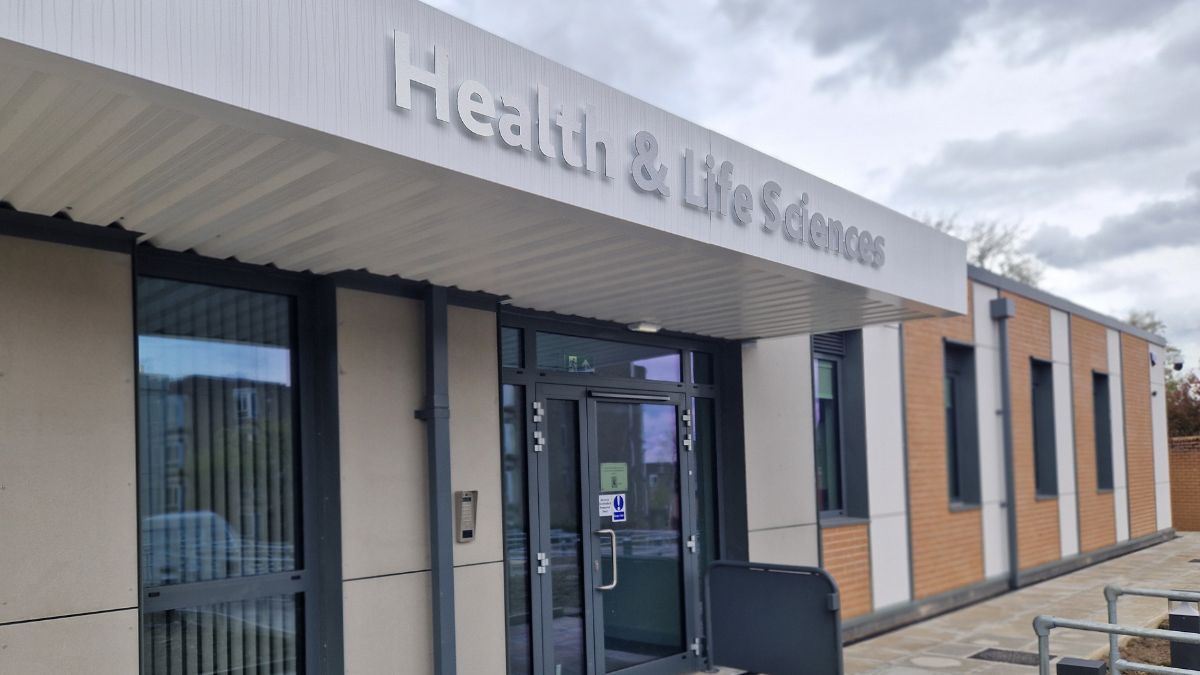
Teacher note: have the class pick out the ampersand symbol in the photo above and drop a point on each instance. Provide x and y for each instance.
(647, 174)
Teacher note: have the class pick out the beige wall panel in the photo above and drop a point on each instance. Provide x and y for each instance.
(388, 625)
(777, 394)
(475, 428)
(68, 501)
(385, 524)
(479, 618)
(785, 545)
(97, 644)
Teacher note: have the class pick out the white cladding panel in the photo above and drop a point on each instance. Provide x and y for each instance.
(320, 75)
(891, 582)
(1064, 430)
(1158, 419)
(884, 420)
(1116, 391)
(888, 496)
(991, 433)
(777, 400)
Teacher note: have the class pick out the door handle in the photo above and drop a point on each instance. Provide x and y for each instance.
(612, 538)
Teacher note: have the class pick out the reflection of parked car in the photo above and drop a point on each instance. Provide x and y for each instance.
(189, 546)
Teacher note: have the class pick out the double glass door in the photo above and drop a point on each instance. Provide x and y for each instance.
(612, 533)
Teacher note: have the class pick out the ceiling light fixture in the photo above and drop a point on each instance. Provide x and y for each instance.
(644, 327)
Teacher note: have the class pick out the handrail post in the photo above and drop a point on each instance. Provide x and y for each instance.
(1042, 626)
(1111, 594)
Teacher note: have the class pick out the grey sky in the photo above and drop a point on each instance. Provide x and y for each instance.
(1078, 119)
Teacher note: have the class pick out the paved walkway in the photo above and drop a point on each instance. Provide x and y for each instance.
(944, 644)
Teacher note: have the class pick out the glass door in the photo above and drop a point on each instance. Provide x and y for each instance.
(615, 558)
(643, 561)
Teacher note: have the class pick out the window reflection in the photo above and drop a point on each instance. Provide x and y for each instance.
(608, 358)
(217, 441)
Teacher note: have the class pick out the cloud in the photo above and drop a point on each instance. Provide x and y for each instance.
(893, 43)
(1183, 52)
(1162, 223)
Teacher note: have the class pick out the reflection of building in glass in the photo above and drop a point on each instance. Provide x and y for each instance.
(218, 472)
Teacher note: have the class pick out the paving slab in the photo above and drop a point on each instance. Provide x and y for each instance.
(944, 644)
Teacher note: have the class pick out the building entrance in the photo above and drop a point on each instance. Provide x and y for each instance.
(614, 532)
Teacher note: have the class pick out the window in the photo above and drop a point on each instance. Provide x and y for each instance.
(1044, 452)
(607, 358)
(962, 435)
(827, 425)
(1102, 419)
(512, 353)
(516, 529)
(219, 481)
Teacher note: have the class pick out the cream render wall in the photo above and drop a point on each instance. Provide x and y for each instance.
(68, 498)
(385, 522)
(781, 510)
(475, 465)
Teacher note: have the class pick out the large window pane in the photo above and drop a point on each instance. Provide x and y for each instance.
(217, 441)
(608, 358)
(259, 636)
(516, 529)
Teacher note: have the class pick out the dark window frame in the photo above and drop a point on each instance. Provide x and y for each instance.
(847, 351)
(725, 392)
(1043, 426)
(1102, 430)
(317, 583)
(962, 446)
(839, 370)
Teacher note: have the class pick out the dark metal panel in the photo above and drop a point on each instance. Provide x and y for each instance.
(65, 231)
(328, 592)
(436, 416)
(853, 383)
(734, 529)
(157, 262)
(776, 619)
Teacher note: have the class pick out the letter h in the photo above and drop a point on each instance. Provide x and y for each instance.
(408, 75)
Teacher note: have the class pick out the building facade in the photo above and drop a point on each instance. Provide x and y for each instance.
(1026, 392)
(351, 338)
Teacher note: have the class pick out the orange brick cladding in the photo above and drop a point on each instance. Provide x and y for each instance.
(1139, 441)
(846, 555)
(1185, 483)
(1089, 354)
(947, 546)
(1037, 519)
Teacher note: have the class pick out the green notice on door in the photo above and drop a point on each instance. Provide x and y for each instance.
(614, 476)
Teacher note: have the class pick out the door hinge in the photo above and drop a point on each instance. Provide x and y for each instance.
(687, 418)
(687, 442)
(696, 646)
(543, 563)
(693, 543)
(538, 409)
(539, 441)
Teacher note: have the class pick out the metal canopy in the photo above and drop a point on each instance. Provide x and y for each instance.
(194, 173)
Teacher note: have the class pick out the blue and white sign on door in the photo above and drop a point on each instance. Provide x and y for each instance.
(618, 514)
(613, 506)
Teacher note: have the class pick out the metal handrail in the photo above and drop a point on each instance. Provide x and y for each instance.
(1112, 593)
(1042, 625)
